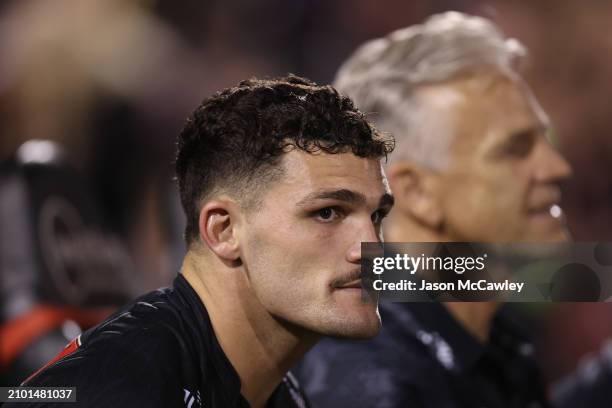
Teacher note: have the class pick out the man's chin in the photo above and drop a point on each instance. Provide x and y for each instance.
(366, 334)
(357, 327)
(339, 321)
(553, 234)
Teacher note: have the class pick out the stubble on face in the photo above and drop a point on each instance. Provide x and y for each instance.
(303, 240)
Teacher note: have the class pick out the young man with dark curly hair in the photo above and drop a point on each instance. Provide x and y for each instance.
(280, 181)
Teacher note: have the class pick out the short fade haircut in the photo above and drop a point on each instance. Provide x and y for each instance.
(383, 74)
(234, 141)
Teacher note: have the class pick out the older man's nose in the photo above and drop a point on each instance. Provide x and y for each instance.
(551, 165)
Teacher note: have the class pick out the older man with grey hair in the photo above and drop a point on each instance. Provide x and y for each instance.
(472, 163)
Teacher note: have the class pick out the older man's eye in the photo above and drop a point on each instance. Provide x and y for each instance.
(520, 144)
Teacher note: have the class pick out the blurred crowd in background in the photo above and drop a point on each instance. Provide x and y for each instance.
(112, 81)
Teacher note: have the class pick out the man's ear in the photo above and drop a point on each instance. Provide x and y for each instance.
(416, 195)
(217, 224)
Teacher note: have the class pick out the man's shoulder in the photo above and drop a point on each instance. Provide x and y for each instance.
(136, 354)
(369, 373)
(395, 367)
(385, 354)
(289, 393)
(151, 323)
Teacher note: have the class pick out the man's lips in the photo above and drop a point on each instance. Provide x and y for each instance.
(550, 215)
(351, 280)
(356, 284)
(544, 201)
(548, 212)
(543, 208)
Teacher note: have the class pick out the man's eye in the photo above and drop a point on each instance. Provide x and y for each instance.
(520, 146)
(520, 149)
(328, 214)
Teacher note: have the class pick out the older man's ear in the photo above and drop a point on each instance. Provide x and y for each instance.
(416, 196)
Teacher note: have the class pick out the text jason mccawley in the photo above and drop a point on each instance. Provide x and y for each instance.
(423, 263)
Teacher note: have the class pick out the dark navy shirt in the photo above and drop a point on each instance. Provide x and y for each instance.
(590, 386)
(159, 351)
(424, 358)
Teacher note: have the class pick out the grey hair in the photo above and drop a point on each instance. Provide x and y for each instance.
(382, 75)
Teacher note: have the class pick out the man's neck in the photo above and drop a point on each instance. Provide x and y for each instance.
(260, 347)
(475, 317)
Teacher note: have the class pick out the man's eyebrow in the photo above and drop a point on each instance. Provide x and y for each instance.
(516, 137)
(345, 195)
(349, 196)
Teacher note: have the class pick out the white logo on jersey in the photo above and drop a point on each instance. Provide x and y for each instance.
(191, 397)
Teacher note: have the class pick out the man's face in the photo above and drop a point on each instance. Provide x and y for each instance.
(503, 174)
(303, 246)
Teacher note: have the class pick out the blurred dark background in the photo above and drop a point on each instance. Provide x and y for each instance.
(111, 81)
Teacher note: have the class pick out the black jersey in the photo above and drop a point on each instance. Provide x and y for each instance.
(159, 351)
(423, 358)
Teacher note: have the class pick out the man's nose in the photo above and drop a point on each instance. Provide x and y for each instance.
(551, 166)
(367, 233)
